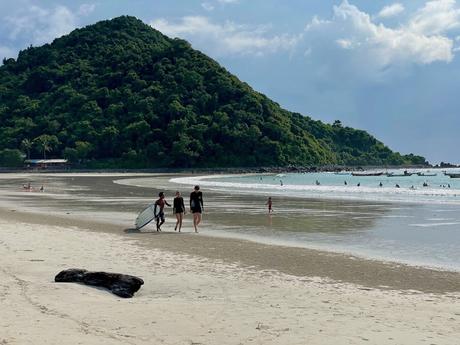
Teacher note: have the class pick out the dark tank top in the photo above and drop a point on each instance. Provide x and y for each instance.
(196, 201)
(178, 205)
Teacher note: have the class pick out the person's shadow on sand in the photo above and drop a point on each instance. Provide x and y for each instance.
(149, 232)
(132, 231)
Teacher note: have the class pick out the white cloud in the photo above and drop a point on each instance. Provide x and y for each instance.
(345, 44)
(207, 6)
(436, 17)
(86, 9)
(351, 38)
(210, 5)
(39, 25)
(227, 38)
(391, 10)
(378, 45)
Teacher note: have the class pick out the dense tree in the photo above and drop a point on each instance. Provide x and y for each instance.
(11, 158)
(122, 93)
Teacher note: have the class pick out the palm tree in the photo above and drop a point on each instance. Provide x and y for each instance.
(44, 142)
(26, 145)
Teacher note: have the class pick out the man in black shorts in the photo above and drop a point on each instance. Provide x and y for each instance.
(159, 210)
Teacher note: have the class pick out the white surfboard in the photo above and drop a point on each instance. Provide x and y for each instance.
(145, 217)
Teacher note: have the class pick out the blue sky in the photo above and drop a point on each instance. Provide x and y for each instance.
(389, 67)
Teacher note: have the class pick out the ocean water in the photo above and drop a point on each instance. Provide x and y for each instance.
(439, 189)
(412, 224)
(419, 226)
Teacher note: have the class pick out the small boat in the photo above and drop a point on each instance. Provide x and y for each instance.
(426, 174)
(406, 174)
(367, 174)
(453, 175)
(342, 173)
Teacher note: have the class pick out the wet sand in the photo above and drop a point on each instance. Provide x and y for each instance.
(293, 261)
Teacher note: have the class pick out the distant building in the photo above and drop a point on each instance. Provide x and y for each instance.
(46, 163)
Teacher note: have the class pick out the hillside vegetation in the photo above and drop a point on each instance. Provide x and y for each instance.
(119, 93)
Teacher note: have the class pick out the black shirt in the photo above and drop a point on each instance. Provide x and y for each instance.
(196, 200)
(178, 204)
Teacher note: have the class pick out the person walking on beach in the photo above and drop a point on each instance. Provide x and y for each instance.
(178, 210)
(196, 206)
(159, 210)
(269, 203)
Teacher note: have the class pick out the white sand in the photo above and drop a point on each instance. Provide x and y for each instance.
(189, 300)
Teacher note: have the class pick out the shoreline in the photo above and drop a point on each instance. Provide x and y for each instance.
(299, 262)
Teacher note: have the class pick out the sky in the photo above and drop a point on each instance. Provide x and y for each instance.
(391, 68)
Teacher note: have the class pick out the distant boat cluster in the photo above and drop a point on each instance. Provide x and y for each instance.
(405, 174)
(452, 175)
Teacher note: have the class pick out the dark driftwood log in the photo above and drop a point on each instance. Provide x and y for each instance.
(120, 284)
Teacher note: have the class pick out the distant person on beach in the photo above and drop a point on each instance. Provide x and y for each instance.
(269, 204)
(281, 182)
(317, 183)
(42, 189)
(397, 186)
(359, 184)
(345, 183)
(380, 184)
(196, 206)
(178, 210)
(159, 210)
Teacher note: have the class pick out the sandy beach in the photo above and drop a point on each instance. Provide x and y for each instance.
(207, 290)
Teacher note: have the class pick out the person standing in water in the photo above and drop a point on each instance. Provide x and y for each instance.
(159, 210)
(196, 206)
(269, 203)
(178, 210)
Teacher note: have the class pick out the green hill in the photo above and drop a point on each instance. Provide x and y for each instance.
(122, 94)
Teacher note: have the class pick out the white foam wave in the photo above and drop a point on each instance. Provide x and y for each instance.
(430, 225)
(382, 194)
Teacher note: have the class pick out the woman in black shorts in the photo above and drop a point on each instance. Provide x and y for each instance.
(178, 210)
(196, 206)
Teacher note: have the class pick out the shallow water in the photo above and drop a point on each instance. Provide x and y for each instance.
(388, 224)
(410, 224)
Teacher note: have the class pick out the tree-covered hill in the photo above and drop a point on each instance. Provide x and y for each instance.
(122, 93)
